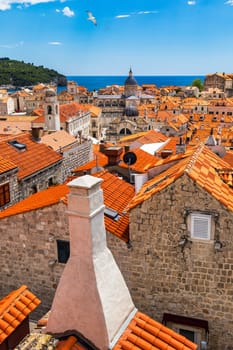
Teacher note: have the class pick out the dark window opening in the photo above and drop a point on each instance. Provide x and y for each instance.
(4, 194)
(63, 251)
(187, 334)
(49, 110)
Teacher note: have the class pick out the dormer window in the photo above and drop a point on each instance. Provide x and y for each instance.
(202, 117)
(214, 119)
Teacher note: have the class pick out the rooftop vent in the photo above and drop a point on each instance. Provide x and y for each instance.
(18, 145)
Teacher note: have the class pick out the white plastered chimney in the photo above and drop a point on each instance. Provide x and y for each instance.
(92, 298)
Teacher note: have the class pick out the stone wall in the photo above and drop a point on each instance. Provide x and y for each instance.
(195, 281)
(28, 243)
(11, 178)
(162, 277)
(76, 157)
(40, 180)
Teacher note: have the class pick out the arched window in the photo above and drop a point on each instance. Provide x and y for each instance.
(49, 109)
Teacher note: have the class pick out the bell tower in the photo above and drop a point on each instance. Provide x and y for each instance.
(51, 108)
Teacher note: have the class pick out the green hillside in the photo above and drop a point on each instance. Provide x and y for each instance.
(19, 73)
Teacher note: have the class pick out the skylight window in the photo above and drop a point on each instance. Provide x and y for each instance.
(111, 213)
(18, 145)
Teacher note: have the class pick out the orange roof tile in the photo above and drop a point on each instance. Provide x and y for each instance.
(152, 136)
(14, 308)
(117, 195)
(142, 333)
(6, 165)
(202, 166)
(45, 198)
(37, 156)
(58, 140)
(144, 161)
(145, 333)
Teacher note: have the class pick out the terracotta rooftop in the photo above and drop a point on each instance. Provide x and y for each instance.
(144, 161)
(142, 333)
(35, 157)
(151, 136)
(6, 165)
(58, 140)
(147, 334)
(117, 195)
(14, 308)
(202, 167)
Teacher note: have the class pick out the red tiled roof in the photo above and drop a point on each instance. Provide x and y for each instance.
(6, 165)
(144, 161)
(14, 308)
(142, 333)
(37, 156)
(117, 195)
(145, 333)
(202, 166)
(42, 199)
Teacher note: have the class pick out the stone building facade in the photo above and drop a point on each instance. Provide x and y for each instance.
(192, 281)
(30, 242)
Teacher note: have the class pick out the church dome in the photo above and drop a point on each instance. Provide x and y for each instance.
(131, 80)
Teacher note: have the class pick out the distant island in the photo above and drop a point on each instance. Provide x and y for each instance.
(18, 73)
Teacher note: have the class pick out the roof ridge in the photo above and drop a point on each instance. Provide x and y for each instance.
(194, 157)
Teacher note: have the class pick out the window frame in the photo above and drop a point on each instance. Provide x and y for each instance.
(195, 216)
(5, 195)
(66, 245)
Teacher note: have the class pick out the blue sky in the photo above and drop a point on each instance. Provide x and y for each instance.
(154, 37)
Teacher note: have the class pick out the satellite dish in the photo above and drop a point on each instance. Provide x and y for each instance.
(129, 158)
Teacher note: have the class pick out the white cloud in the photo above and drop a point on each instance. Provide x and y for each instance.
(191, 2)
(6, 4)
(229, 2)
(144, 12)
(12, 46)
(137, 13)
(68, 12)
(122, 16)
(55, 43)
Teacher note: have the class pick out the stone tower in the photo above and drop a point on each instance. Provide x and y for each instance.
(51, 108)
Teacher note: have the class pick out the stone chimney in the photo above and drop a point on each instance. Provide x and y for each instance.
(92, 299)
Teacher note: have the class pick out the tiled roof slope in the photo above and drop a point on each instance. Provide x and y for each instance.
(145, 333)
(6, 165)
(144, 161)
(117, 195)
(151, 136)
(142, 333)
(42, 199)
(14, 308)
(58, 139)
(202, 167)
(37, 156)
